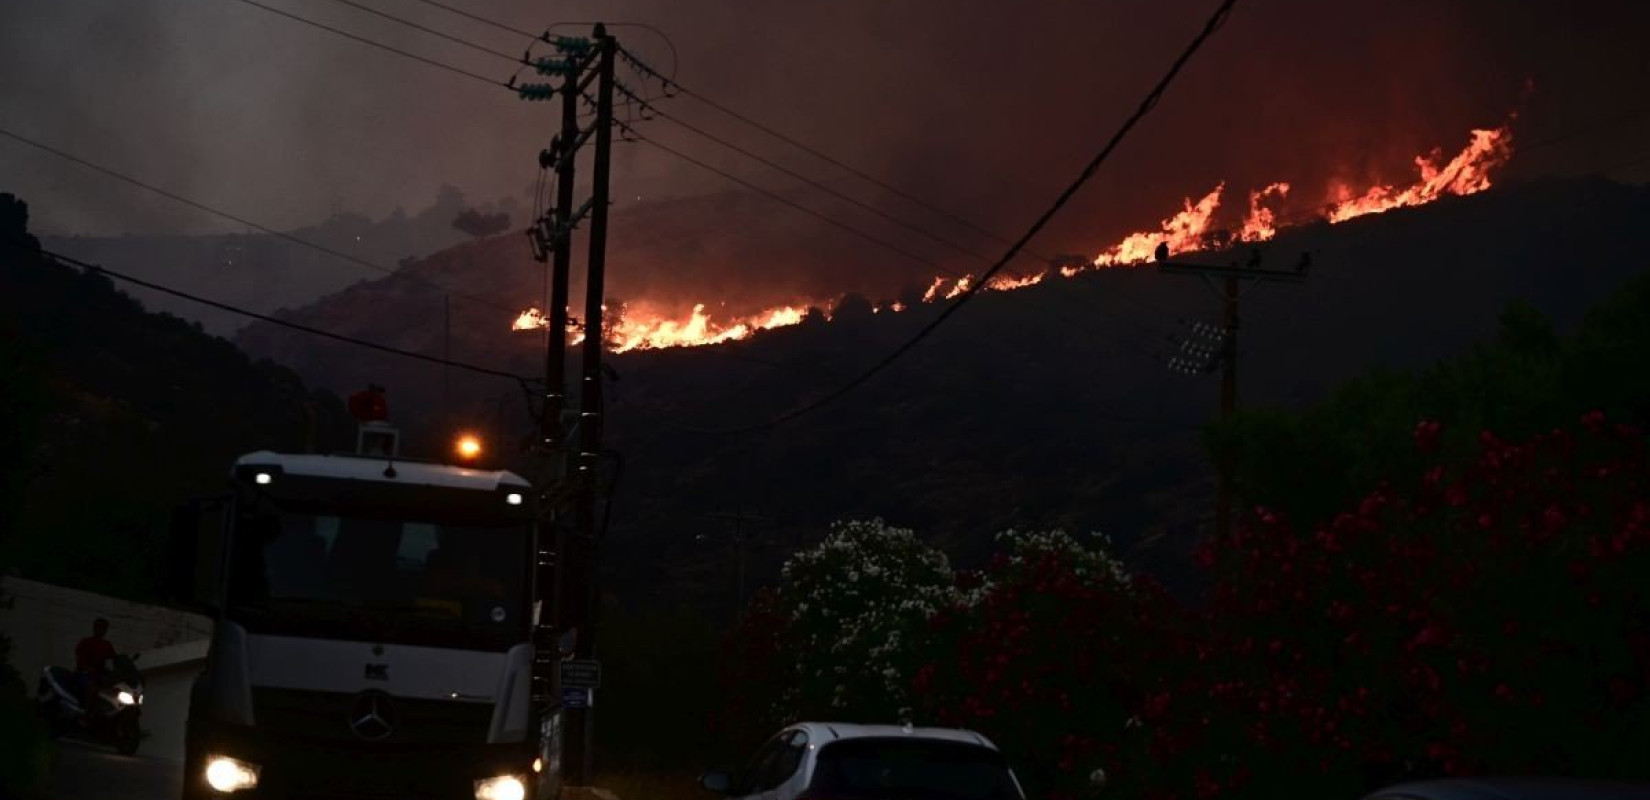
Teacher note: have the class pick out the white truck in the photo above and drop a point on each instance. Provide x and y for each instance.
(374, 633)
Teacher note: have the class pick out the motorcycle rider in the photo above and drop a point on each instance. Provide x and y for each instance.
(91, 661)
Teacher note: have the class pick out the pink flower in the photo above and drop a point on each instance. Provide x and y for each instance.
(1426, 435)
(1553, 519)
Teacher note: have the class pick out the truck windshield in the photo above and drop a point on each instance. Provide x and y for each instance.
(363, 578)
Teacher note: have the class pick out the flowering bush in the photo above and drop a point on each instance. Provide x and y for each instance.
(1489, 617)
(1490, 614)
(753, 676)
(1044, 652)
(854, 607)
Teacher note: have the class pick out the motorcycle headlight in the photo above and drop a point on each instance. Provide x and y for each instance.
(504, 787)
(231, 775)
(125, 698)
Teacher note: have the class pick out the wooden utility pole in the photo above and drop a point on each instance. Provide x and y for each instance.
(1230, 292)
(552, 439)
(739, 539)
(447, 356)
(581, 600)
(1228, 405)
(565, 581)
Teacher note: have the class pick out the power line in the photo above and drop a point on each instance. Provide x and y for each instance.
(672, 83)
(1140, 113)
(221, 306)
(836, 223)
(478, 18)
(670, 44)
(645, 104)
(647, 107)
(861, 174)
(196, 204)
(670, 80)
(950, 243)
(432, 31)
(872, 238)
(675, 61)
(775, 196)
(372, 43)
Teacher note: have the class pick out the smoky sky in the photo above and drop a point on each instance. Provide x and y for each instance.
(989, 108)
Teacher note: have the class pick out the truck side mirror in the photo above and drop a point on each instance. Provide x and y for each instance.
(195, 547)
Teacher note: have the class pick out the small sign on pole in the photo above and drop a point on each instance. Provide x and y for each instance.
(577, 698)
(586, 674)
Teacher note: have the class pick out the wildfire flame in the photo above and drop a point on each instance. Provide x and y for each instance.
(531, 319)
(1261, 224)
(1189, 230)
(1467, 173)
(1009, 284)
(1182, 232)
(928, 296)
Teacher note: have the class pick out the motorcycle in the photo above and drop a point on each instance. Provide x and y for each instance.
(115, 707)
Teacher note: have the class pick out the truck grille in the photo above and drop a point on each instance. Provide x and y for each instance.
(302, 714)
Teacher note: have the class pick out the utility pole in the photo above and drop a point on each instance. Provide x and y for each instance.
(446, 355)
(739, 540)
(1229, 292)
(562, 155)
(566, 576)
(582, 591)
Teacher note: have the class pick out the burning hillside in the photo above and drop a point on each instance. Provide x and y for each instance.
(1196, 227)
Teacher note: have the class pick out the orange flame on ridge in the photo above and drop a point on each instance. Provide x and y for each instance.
(1183, 231)
(1467, 173)
(641, 330)
(530, 319)
(1261, 224)
(928, 296)
(1189, 230)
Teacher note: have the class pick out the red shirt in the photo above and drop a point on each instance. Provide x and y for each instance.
(91, 653)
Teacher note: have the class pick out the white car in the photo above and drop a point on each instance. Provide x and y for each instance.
(838, 761)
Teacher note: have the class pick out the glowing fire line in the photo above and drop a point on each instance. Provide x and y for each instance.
(1188, 230)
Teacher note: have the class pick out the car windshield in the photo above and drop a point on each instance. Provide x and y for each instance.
(381, 579)
(911, 769)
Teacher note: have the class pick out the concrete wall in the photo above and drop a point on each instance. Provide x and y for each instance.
(45, 621)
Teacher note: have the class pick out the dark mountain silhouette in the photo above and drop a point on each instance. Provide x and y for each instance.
(266, 272)
(113, 415)
(1044, 407)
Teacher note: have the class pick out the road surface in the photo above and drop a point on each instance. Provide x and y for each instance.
(89, 772)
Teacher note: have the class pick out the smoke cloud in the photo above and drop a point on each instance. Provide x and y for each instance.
(987, 107)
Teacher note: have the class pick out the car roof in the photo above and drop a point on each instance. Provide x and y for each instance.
(1513, 789)
(372, 469)
(825, 732)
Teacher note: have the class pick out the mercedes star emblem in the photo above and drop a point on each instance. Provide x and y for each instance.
(371, 716)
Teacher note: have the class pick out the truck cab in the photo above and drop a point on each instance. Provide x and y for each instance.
(373, 637)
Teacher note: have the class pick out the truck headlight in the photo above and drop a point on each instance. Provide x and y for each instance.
(504, 787)
(231, 775)
(125, 698)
